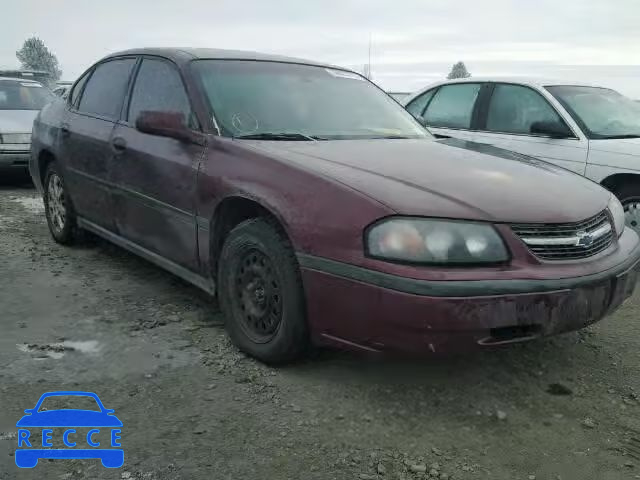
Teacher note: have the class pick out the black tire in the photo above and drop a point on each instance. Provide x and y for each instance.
(629, 196)
(260, 293)
(61, 216)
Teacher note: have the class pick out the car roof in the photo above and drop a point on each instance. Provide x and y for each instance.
(181, 55)
(22, 80)
(532, 81)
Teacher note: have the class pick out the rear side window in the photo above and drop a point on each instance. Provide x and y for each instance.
(159, 87)
(104, 93)
(452, 106)
(514, 108)
(416, 108)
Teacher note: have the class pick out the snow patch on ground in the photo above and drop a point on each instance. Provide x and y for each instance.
(32, 204)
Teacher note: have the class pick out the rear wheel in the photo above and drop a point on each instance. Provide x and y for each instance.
(59, 211)
(629, 195)
(260, 292)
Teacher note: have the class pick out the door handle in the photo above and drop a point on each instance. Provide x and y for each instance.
(119, 144)
(64, 130)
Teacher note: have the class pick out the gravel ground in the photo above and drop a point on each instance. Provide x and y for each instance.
(96, 318)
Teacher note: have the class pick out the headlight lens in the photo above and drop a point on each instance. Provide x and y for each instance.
(15, 138)
(617, 213)
(441, 242)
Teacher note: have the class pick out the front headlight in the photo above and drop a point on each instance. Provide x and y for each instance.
(23, 138)
(442, 242)
(617, 213)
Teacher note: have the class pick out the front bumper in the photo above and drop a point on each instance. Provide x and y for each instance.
(370, 310)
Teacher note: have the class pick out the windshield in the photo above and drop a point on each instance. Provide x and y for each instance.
(254, 98)
(602, 112)
(23, 95)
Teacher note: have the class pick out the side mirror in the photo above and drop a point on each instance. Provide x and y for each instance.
(551, 129)
(166, 124)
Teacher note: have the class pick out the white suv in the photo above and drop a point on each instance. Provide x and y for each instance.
(591, 130)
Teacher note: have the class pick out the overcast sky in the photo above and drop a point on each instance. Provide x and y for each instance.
(414, 42)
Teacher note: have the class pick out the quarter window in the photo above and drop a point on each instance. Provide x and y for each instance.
(105, 90)
(514, 108)
(77, 89)
(452, 106)
(159, 88)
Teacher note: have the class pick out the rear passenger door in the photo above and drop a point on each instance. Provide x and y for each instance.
(154, 176)
(448, 110)
(85, 137)
(508, 112)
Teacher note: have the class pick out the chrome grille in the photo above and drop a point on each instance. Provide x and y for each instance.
(567, 241)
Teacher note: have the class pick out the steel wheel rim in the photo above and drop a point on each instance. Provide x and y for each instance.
(632, 214)
(257, 297)
(56, 205)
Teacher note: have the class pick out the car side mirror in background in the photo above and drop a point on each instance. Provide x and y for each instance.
(166, 124)
(551, 129)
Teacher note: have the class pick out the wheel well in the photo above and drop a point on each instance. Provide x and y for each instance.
(44, 159)
(230, 213)
(615, 182)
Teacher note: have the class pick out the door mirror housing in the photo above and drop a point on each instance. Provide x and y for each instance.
(551, 129)
(166, 124)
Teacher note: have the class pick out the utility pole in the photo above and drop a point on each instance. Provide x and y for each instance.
(366, 70)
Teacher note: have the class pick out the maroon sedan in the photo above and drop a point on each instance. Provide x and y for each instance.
(318, 210)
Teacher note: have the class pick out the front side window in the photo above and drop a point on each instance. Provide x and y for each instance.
(452, 106)
(515, 108)
(17, 95)
(254, 98)
(104, 93)
(158, 87)
(602, 112)
(417, 106)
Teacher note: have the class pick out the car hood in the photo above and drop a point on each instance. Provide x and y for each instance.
(450, 178)
(69, 418)
(17, 121)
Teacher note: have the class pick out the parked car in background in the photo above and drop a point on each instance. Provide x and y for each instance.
(591, 130)
(318, 210)
(20, 101)
(41, 76)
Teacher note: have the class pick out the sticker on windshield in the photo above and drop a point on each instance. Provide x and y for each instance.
(31, 84)
(344, 74)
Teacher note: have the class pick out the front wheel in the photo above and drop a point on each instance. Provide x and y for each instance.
(260, 292)
(629, 196)
(59, 211)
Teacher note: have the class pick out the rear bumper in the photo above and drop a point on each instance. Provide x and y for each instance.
(14, 160)
(378, 311)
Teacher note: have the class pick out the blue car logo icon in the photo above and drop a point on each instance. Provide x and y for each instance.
(28, 452)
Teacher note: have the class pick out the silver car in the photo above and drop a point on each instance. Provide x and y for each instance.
(20, 102)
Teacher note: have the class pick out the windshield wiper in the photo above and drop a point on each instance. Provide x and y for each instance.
(614, 137)
(283, 136)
